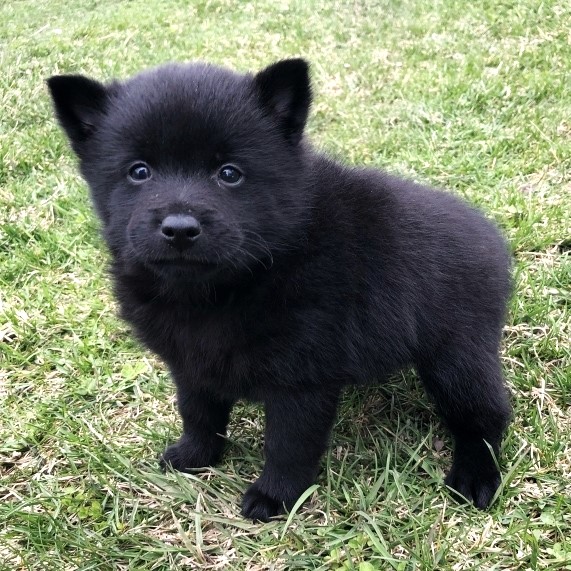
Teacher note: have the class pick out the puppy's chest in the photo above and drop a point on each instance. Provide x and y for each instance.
(225, 351)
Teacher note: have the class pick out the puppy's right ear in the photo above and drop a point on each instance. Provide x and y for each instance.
(79, 104)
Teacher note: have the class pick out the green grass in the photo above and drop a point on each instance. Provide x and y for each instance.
(474, 97)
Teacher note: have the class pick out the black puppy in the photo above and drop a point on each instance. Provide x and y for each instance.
(259, 269)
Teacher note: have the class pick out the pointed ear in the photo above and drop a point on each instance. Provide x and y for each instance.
(285, 91)
(79, 104)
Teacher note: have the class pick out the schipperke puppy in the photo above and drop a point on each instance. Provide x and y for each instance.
(260, 269)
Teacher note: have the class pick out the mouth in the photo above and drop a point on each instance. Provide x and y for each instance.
(184, 263)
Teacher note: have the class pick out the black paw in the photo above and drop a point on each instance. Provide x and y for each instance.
(259, 506)
(187, 455)
(474, 485)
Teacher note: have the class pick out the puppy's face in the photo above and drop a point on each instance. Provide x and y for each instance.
(196, 172)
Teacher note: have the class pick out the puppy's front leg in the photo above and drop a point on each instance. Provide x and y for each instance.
(204, 419)
(297, 431)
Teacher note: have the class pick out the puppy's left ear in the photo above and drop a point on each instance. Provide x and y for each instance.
(285, 91)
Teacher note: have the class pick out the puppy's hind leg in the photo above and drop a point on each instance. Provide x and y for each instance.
(470, 395)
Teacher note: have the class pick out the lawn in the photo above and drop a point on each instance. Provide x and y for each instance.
(473, 97)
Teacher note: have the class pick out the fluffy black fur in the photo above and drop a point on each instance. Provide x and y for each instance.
(259, 269)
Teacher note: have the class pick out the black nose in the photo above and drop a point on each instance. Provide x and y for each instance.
(180, 230)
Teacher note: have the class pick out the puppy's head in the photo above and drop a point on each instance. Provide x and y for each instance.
(195, 171)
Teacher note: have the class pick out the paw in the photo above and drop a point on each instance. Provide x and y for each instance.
(476, 486)
(187, 455)
(259, 506)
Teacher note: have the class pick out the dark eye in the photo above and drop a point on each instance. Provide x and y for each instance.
(230, 175)
(140, 172)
